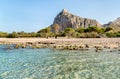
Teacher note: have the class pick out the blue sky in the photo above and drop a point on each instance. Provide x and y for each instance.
(32, 15)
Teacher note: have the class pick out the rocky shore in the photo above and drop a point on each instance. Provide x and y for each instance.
(99, 44)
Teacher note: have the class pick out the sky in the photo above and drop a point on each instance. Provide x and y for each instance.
(33, 15)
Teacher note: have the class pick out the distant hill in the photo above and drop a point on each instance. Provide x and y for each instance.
(65, 19)
(115, 25)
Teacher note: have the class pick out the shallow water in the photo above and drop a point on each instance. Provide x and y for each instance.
(58, 64)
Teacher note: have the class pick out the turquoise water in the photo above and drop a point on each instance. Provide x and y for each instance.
(58, 64)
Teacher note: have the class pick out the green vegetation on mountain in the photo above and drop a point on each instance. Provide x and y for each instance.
(90, 32)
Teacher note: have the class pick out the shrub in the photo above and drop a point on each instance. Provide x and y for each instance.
(93, 29)
(69, 31)
(88, 35)
(113, 34)
(80, 30)
(13, 35)
(108, 29)
(3, 34)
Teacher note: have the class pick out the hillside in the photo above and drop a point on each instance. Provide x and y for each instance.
(115, 25)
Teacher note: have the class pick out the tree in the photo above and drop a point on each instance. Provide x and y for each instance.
(24, 34)
(93, 29)
(45, 32)
(13, 35)
(56, 28)
(108, 29)
(3, 34)
(33, 34)
(69, 31)
(80, 30)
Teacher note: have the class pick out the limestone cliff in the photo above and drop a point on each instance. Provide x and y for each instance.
(65, 19)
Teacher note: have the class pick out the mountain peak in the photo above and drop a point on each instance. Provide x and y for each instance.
(65, 20)
(117, 20)
(64, 10)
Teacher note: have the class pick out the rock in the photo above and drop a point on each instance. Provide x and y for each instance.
(107, 47)
(87, 46)
(82, 46)
(17, 46)
(98, 48)
(29, 43)
(113, 50)
(65, 19)
(23, 46)
(118, 49)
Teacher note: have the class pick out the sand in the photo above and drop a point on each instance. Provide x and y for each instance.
(90, 42)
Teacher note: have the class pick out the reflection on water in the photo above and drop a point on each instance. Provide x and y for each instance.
(56, 64)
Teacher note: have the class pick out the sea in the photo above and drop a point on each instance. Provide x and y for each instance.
(49, 63)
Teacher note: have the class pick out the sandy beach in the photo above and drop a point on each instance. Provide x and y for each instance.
(90, 42)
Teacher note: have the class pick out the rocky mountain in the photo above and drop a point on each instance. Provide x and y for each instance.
(115, 25)
(65, 19)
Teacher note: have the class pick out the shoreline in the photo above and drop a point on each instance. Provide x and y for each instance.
(64, 43)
